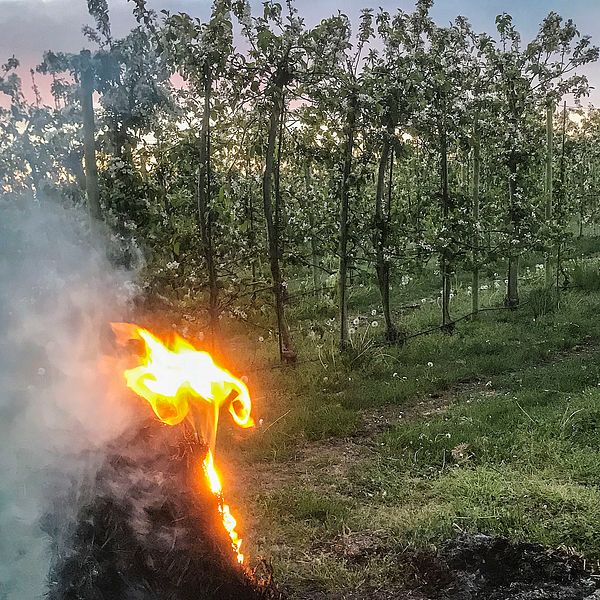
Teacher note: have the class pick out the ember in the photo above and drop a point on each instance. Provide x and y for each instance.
(182, 382)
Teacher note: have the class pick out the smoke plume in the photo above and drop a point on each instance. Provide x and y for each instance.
(58, 407)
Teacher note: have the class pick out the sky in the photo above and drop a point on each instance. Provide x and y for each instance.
(29, 27)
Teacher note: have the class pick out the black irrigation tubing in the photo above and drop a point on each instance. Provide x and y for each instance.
(281, 365)
(253, 324)
(409, 307)
(450, 325)
(312, 291)
(325, 289)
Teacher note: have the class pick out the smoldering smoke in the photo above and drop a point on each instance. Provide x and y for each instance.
(58, 292)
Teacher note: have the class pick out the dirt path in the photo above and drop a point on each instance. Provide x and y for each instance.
(316, 462)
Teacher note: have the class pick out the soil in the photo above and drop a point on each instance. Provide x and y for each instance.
(469, 567)
(316, 462)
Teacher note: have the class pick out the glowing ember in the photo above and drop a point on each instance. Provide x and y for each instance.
(180, 381)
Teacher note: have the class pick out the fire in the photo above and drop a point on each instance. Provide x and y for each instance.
(181, 382)
(229, 521)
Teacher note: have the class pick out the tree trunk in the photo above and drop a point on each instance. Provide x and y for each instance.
(251, 228)
(205, 212)
(343, 230)
(476, 173)
(512, 290)
(561, 201)
(287, 351)
(548, 203)
(89, 139)
(445, 266)
(279, 206)
(418, 179)
(316, 276)
(382, 224)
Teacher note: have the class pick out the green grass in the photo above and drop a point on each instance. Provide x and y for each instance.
(586, 246)
(529, 469)
(514, 452)
(320, 397)
(529, 465)
(586, 276)
(308, 506)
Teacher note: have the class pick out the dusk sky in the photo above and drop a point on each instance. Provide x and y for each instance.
(29, 27)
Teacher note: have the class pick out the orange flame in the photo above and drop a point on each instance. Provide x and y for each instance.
(229, 521)
(180, 381)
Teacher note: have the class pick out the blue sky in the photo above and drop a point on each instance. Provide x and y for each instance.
(28, 27)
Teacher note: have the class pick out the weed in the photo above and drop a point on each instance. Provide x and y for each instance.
(542, 300)
(587, 277)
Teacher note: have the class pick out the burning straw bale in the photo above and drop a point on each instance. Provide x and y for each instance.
(152, 530)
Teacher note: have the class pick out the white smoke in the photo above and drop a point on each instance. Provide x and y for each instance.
(58, 407)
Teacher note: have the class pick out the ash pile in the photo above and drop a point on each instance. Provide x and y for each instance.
(150, 530)
(481, 567)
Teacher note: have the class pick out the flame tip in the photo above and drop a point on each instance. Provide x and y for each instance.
(175, 378)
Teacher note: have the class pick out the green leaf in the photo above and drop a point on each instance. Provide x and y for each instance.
(264, 39)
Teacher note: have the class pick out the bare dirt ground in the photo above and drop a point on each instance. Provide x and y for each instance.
(337, 456)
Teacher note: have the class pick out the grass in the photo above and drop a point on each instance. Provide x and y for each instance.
(514, 451)
(527, 467)
(322, 397)
(586, 276)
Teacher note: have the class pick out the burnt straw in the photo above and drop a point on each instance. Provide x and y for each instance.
(151, 529)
